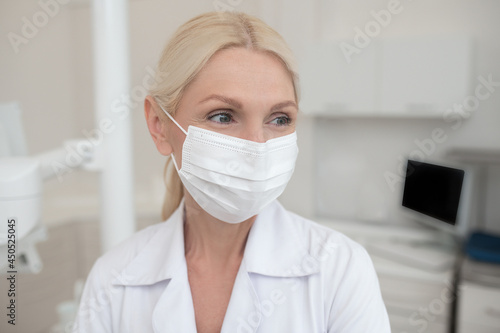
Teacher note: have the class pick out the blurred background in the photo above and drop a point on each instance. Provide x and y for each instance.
(381, 81)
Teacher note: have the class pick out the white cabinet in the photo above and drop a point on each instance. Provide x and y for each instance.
(426, 75)
(404, 77)
(415, 303)
(479, 298)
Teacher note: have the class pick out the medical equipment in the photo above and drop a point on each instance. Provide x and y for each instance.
(21, 179)
(438, 195)
(21, 176)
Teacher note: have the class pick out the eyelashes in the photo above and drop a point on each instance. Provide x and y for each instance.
(221, 117)
(282, 121)
(226, 117)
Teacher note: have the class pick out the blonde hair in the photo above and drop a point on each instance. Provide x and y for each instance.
(192, 45)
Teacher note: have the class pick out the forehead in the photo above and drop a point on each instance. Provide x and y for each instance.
(239, 70)
(244, 57)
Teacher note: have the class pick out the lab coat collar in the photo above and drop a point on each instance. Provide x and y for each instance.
(273, 248)
(161, 258)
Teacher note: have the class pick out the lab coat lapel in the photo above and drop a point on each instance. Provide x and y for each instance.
(273, 249)
(243, 313)
(276, 247)
(174, 312)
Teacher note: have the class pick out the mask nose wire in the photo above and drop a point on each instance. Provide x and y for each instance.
(172, 118)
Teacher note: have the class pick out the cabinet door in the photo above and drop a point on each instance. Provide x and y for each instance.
(331, 85)
(424, 75)
(410, 76)
(479, 306)
(405, 324)
(476, 328)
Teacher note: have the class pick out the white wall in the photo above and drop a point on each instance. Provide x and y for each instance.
(41, 74)
(51, 76)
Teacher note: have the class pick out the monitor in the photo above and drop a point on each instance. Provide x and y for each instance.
(437, 195)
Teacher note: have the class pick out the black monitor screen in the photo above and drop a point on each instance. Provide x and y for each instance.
(433, 190)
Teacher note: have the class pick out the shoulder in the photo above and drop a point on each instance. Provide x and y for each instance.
(336, 257)
(283, 239)
(349, 281)
(323, 241)
(110, 266)
(95, 311)
(122, 254)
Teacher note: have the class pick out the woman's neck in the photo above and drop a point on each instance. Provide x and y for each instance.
(210, 241)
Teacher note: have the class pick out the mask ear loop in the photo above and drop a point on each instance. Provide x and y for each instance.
(180, 127)
(172, 118)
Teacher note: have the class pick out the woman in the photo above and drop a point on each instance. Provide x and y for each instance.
(229, 257)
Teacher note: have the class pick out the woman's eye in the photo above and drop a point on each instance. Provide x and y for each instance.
(281, 121)
(223, 118)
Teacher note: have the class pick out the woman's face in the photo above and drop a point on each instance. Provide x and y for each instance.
(241, 93)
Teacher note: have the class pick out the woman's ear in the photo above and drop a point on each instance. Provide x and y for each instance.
(156, 126)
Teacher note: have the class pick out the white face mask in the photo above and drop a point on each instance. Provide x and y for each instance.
(234, 179)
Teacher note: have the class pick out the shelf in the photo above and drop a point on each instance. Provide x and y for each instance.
(372, 115)
(475, 155)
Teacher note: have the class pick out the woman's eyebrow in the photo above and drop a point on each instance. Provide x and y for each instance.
(283, 105)
(238, 105)
(224, 99)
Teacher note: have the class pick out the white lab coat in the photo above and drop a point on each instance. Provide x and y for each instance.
(295, 276)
